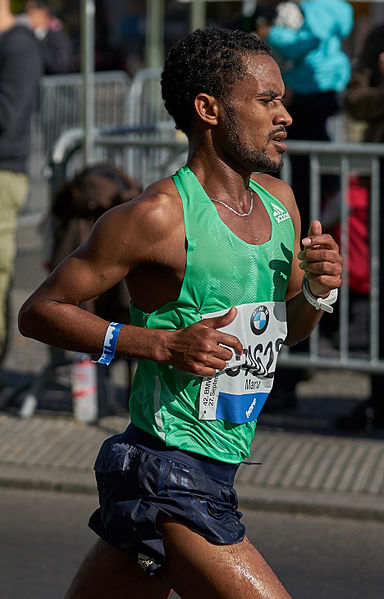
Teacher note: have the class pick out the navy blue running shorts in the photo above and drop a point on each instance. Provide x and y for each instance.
(138, 476)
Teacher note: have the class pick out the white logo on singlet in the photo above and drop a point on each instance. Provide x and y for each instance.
(251, 408)
(279, 214)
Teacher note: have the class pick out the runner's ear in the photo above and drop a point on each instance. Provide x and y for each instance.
(207, 108)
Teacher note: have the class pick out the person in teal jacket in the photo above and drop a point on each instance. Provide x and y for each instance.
(307, 37)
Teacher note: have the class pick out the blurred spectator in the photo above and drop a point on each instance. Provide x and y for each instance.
(20, 71)
(80, 202)
(306, 38)
(56, 50)
(76, 207)
(254, 15)
(364, 97)
(55, 43)
(364, 101)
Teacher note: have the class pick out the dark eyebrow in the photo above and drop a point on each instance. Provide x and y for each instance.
(269, 93)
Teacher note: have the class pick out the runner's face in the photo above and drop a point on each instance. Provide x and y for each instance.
(255, 118)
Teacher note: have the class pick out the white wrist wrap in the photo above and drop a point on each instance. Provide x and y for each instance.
(320, 303)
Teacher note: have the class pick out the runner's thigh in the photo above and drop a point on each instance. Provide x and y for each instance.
(198, 569)
(107, 573)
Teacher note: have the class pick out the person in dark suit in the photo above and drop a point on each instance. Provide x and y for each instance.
(55, 44)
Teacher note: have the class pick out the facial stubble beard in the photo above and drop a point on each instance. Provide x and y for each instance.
(253, 160)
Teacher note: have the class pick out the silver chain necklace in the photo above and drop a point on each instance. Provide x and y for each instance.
(235, 211)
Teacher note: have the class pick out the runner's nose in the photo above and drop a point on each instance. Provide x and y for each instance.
(283, 117)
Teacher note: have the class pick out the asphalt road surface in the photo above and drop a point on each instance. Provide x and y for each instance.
(44, 536)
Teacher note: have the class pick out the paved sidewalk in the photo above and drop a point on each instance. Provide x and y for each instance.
(306, 466)
(300, 471)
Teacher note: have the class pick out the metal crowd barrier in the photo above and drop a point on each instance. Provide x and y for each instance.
(156, 150)
(345, 160)
(119, 101)
(145, 104)
(60, 108)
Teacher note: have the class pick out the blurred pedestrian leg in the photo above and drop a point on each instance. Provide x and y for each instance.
(13, 193)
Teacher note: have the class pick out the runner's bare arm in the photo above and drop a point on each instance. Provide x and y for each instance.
(146, 230)
(320, 262)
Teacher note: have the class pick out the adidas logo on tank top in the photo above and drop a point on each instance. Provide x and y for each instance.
(279, 214)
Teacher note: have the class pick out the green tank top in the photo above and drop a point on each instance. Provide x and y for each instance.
(216, 416)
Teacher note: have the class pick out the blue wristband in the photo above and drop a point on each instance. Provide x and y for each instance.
(110, 341)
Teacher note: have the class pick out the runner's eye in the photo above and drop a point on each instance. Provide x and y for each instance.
(270, 100)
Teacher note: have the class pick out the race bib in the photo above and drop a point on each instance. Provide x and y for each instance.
(238, 393)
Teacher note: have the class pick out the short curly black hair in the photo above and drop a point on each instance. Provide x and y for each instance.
(208, 60)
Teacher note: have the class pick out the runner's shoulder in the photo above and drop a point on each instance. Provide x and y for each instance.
(277, 188)
(153, 213)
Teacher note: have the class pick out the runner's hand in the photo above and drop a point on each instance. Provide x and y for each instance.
(198, 349)
(321, 261)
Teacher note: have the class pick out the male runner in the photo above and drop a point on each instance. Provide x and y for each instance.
(212, 260)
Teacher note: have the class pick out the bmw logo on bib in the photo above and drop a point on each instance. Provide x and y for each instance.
(259, 320)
